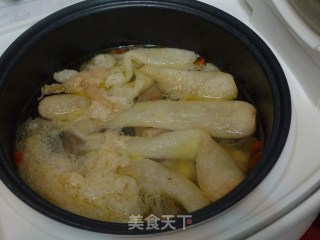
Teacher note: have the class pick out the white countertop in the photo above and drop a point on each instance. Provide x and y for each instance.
(12, 11)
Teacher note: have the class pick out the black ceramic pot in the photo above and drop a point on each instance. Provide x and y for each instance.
(73, 33)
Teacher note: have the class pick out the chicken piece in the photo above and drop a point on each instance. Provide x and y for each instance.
(223, 119)
(63, 106)
(184, 84)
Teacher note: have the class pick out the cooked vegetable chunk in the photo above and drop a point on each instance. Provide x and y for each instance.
(223, 119)
(153, 177)
(184, 84)
(138, 131)
(101, 60)
(64, 75)
(62, 106)
(162, 56)
(217, 173)
(182, 144)
(156, 56)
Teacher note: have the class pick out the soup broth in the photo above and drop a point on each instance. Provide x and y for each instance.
(138, 130)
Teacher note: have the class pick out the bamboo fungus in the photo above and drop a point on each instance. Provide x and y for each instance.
(223, 119)
(180, 107)
(217, 173)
